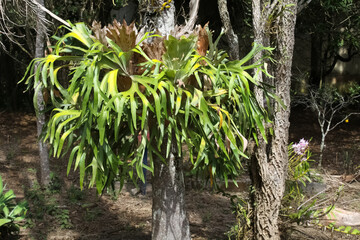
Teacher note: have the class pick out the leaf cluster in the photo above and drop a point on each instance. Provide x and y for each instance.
(336, 21)
(128, 92)
(11, 213)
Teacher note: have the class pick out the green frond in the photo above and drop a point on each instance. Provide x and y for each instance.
(117, 103)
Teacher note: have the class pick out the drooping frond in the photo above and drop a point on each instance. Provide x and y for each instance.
(125, 96)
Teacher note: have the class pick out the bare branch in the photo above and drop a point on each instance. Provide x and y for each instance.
(341, 121)
(310, 199)
(19, 14)
(51, 14)
(2, 45)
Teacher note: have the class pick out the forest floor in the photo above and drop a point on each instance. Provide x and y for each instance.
(65, 212)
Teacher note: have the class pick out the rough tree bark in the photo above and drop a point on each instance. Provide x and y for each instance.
(232, 38)
(168, 210)
(165, 20)
(39, 52)
(269, 167)
(169, 216)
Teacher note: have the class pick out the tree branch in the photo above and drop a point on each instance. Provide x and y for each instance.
(50, 13)
(346, 117)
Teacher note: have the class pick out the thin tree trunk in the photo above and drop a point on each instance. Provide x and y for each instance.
(322, 146)
(232, 38)
(168, 210)
(169, 219)
(39, 52)
(269, 168)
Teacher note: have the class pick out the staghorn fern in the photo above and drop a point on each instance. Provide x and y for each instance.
(125, 95)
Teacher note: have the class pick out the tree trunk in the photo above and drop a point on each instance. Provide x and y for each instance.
(39, 52)
(169, 219)
(168, 210)
(165, 21)
(232, 38)
(269, 168)
(322, 146)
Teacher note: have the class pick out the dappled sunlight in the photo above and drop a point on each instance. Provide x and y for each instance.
(126, 216)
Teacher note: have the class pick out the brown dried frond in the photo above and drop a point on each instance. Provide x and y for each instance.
(155, 49)
(122, 34)
(123, 83)
(99, 32)
(203, 39)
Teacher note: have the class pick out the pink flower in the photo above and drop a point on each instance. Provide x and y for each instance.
(300, 148)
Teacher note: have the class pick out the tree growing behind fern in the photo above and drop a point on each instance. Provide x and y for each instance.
(128, 92)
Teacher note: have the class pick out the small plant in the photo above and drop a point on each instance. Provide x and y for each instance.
(75, 194)
(55, 183)
(91, 215)
(10, 212)
(349, 155)
(32, 170)
(207, 217)
(29, 223)
(347, 162)
(298, 173)
(62, 216)
(329, 105)
(299, 157)
(10, 155)
(243, 213)
(299, 170)
(43, 203)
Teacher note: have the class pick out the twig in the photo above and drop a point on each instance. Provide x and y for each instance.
(51, 14)
(312, 198)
